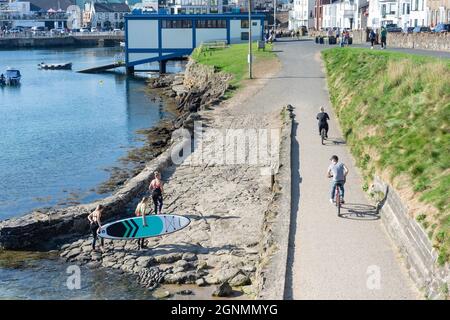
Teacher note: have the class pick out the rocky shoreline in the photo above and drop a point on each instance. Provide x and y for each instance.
(223, 245)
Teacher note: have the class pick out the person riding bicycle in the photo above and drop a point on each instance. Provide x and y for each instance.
(338, 171)
(323, 117)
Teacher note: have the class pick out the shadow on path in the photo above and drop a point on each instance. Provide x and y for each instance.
(359, 211)
(334, 141)
(295, 198)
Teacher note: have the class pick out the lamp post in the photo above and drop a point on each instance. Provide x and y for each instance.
(250, 39)
(275, 18)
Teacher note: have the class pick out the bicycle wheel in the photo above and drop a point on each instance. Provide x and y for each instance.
(338, 201)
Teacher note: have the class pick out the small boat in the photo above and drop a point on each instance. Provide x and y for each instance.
(55, 66)
(13, 77)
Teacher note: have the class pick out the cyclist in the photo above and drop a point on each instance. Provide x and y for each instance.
(323, 117)
(338, 171)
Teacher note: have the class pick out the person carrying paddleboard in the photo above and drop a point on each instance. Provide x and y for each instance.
(95, 223)
(156, 190)
(141, 211)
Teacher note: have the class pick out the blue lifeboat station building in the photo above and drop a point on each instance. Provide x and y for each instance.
(151, 37)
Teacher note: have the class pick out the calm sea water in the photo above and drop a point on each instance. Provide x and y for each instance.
(48, 279)
(60, 130)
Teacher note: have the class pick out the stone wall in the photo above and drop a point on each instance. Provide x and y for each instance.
(271, 272)
(63, 41)
(425, 41)
(413, 243)
(45, 231)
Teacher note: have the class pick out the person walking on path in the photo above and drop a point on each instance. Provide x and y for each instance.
(323, 118)
(372, 37)
(157, 190)
(141, 211)
(338, 171)
(95, 223)
(383, 37)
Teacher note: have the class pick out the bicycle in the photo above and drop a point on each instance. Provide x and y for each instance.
(323, 134)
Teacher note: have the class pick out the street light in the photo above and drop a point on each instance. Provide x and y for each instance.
(275, 18)
(250, 39)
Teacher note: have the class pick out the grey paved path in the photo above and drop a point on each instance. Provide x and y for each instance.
(330, 257)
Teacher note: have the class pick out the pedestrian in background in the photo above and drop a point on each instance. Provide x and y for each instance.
(383, 37)
(372, 37)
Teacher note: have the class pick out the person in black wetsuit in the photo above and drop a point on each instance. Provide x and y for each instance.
(323, 117)
(95, 223)
(156, 190)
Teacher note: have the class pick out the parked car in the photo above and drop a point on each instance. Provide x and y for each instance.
(117, 30)
(392, 27)
(37, 30)
(421, 29)
(94, 30)
(75, 30)
(14, 30)
(409, 30)
(442, 27)
(85, 30)
(57, 31)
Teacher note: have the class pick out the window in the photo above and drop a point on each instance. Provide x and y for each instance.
(244, 35)
(254, 23)
(176, 24)
(407, 8)
(244, 24)
(204, 24)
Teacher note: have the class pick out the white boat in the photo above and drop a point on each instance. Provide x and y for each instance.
(13, 77)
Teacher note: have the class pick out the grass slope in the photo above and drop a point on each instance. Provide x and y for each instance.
(395, 112)
(233, 59)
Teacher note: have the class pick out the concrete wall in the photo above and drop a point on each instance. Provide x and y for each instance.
(236, 30)
(176, 38)
(146, 35)
(274, 245)
(141, 56)
(209, 35)
(413, 243)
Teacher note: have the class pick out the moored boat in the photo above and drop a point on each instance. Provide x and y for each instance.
(13, 77)
(55, 66)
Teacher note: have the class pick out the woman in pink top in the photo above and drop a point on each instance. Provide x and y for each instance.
(156, 189)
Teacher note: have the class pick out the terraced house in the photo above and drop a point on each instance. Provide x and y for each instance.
(439, 11)
(105, 15)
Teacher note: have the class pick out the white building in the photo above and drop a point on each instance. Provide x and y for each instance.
(160, 37)
(191, 6)
(105, 15)
(302, 14)
(419, 13)
(382, 12)
(341, 14)
(404, 14)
